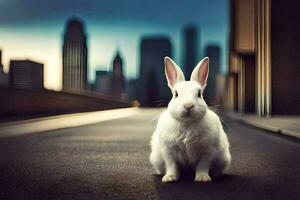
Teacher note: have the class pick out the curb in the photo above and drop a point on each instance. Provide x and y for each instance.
(271, 128)
(265, 126)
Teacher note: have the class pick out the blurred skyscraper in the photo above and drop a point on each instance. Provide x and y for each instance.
(213, 52)
(103, 82)
(74, 56)
(117, 81)
(190, 49)
(3, 75)
(26, 74)
(152, 87)
(131, 89)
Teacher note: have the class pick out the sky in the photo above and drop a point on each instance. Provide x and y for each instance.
(33, 29)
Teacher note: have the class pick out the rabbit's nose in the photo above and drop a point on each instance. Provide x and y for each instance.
(188, 107)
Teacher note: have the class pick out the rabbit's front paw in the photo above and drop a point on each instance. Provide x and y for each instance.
(168, 178)
(202, 177)
(158, 172)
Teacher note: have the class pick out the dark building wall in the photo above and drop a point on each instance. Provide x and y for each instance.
(152, 86)
(285, 37)
(249, 87)
(74, 56)
(190, 50)
(213, 52)
(26, 74)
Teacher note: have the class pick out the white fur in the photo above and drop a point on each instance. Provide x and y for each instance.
(194, 140)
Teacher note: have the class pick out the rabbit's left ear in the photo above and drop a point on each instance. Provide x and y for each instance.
(173, 72)
(201, 71)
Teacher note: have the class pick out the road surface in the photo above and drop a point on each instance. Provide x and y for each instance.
(109, 160)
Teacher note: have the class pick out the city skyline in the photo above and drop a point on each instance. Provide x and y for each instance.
(26, 39)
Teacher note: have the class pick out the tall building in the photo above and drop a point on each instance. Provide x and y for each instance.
(131, 89)
(26, 74)
(152, 85)
(117, 80)
(264, 57)
(213, 52)
(190, 50)
(103, 82)
(3, 75)
(74, 56)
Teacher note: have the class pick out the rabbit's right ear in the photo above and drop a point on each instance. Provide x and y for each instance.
(173, 73)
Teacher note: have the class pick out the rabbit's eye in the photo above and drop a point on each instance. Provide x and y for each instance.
(176, 93)
(199, 93)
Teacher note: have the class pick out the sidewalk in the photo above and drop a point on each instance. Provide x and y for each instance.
(287, 125)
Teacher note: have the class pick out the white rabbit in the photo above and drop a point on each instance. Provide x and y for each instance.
(188, 133)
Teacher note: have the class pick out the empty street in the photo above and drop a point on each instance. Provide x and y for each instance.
(108, 159)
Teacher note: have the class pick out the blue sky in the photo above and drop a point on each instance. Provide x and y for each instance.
(34, 29)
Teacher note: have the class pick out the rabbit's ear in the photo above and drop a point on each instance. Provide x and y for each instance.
(173, 72)
(200, 73)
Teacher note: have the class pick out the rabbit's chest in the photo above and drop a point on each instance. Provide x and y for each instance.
(190, 145)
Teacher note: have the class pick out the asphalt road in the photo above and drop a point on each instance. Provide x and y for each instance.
(109, 160)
